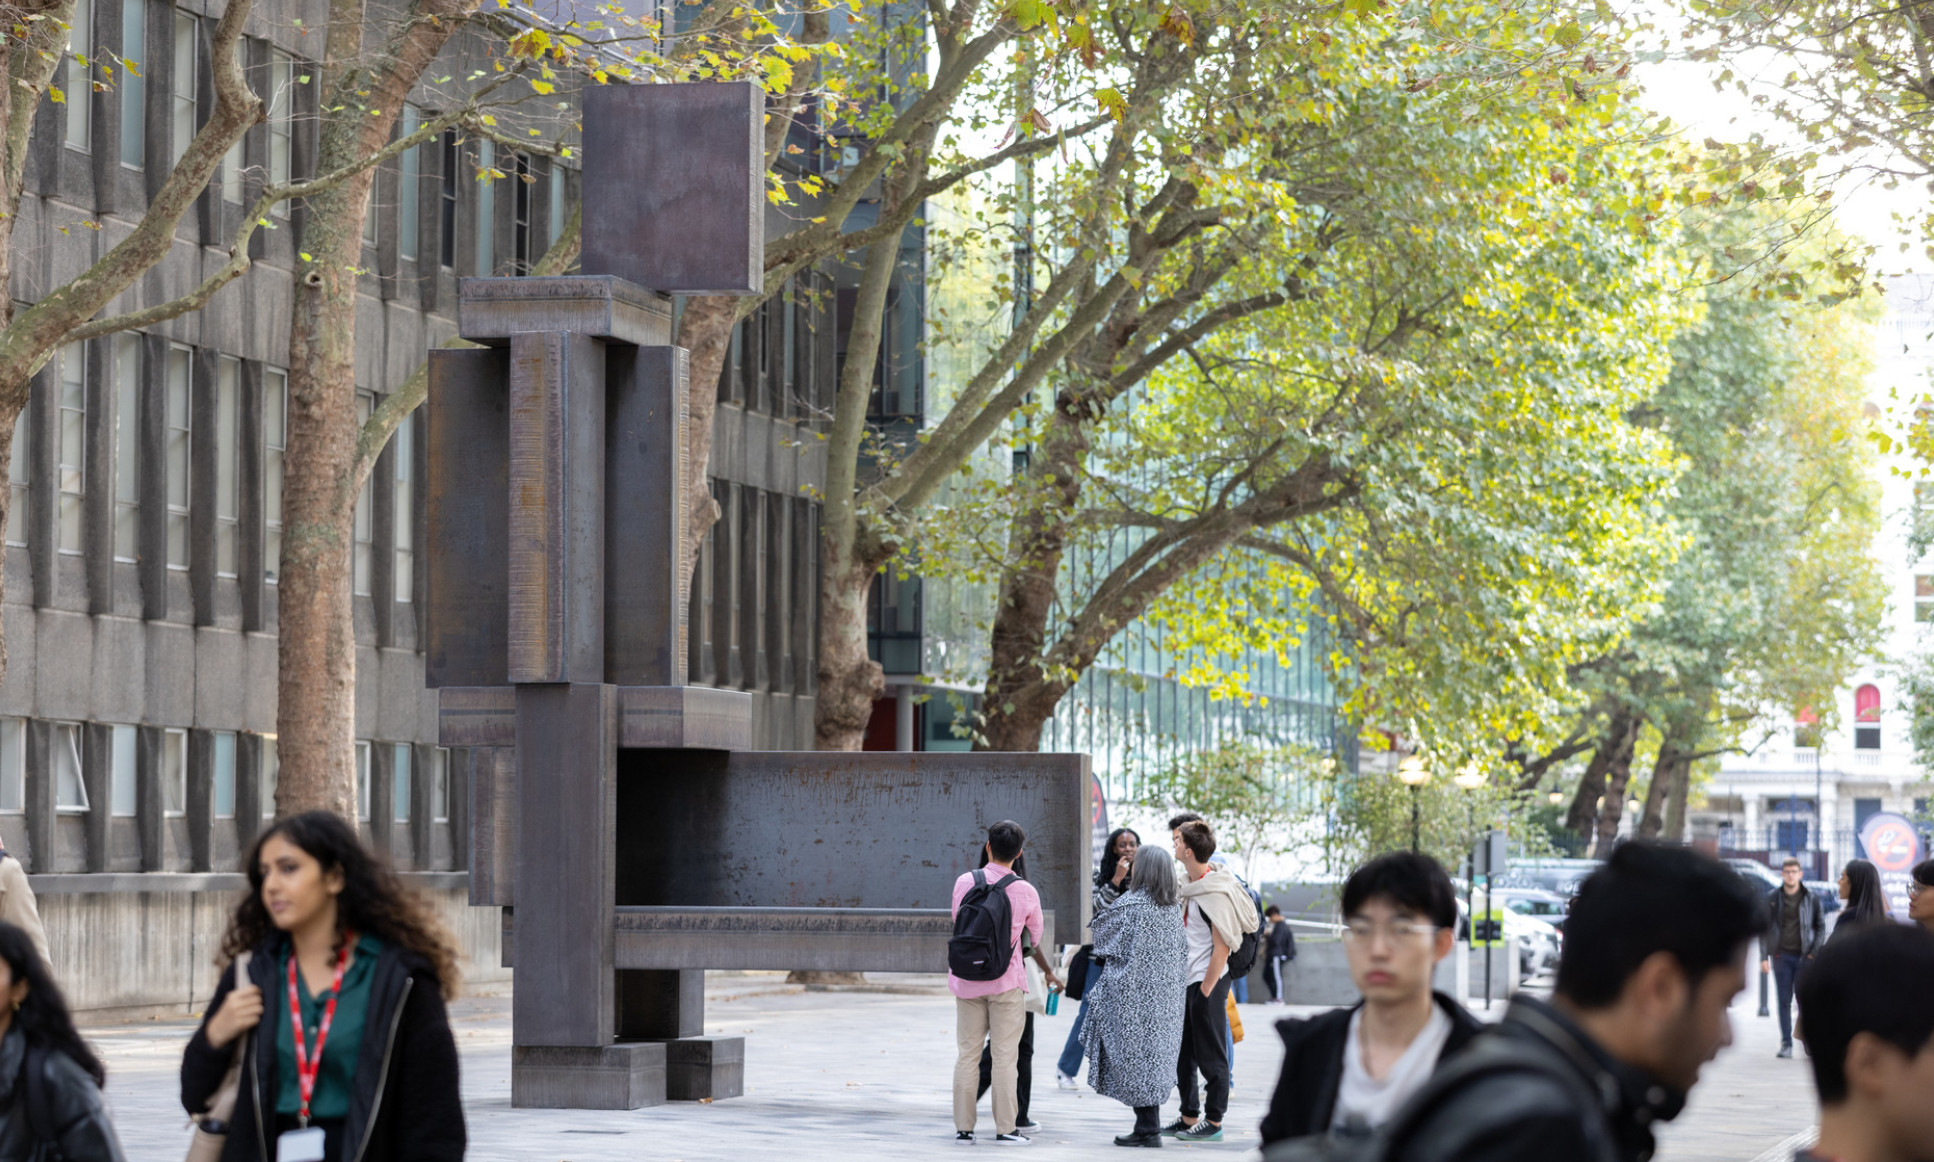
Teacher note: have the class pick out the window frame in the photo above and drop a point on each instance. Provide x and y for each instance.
(174, 772)
(20, 480)
(130, 360)
(117, 807)
(402, 760)
(409, 167)
(218, 742)
(228, 466)
(178, 460)
(184, 100)
(80, 87)
(72, 733)
(70, 514)
(13, 765)
(133, 85)
(281, 124)
(403, 509)
(364, 754)
(275, 447)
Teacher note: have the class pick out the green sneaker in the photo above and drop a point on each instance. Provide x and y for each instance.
(1201, 1131)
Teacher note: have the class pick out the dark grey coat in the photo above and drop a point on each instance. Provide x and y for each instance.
(1132, 1031)
(75, 1115)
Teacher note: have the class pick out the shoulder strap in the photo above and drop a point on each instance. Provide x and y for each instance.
(1486, 1057)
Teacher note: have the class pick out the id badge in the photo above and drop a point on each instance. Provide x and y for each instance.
(300, 1146)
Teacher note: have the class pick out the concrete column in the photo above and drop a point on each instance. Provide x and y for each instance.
(903, 739)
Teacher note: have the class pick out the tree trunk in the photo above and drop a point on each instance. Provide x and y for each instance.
(705, 330)
(1621, 732)
(1670, 774)
(1618, 775)
(1675, 804)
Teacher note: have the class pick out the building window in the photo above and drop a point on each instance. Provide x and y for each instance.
(232, 174)
(520, 205)
(70, 794)
(486, 208)
(400, 783)
(222, 794)
(275, 440)
(13, 766)
(174, 772)
(407, 168)
(403, 508)
(282, 82)
(362, 780)
(134, 86)
(1923, 597)
(80, 86)
(1806, 728)
(440, 785)
(228, 476)
(187, 33)
(365, 536)
(73, 446)
(447, 202)
(127, 445)
(19, 481)
(557, 202)
(177, 450)
(271, 769)
(123, 789)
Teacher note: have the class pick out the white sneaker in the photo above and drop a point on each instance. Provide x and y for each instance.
(1014, 1139)
(1064, 1081)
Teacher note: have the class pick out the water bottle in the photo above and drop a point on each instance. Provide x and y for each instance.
(1054, 1001)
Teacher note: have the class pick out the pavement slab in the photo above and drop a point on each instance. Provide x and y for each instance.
(835, 1074)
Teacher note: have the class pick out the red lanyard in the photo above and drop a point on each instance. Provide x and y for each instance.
(306, 1068)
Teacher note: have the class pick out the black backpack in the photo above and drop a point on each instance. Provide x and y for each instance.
(983, 941)
(1243, 957)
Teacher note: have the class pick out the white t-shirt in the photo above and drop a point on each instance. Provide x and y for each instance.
(1363, 1098)
(1201, 939)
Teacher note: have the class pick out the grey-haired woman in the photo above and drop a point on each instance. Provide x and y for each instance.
(1134, 1025)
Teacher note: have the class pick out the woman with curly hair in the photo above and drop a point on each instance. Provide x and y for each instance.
(50, 1080)
(346, 1049)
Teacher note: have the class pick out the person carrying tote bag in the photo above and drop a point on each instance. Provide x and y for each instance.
(211, 1129)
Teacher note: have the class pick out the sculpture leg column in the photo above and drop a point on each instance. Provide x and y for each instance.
(668, 1007)
(563, 1010)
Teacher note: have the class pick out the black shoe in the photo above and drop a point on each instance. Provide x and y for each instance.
(1785, 1051)
(1173, 1128)
(964, 1137)
(1154, 1139)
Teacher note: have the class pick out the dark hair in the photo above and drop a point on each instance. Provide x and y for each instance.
(1791, 861)
(1197, 837)
(1651, 898)
(43, 1017)
(1924, 872)
(1175, 823)
(1411, 880)
(1109, 860)
(1005, 839)
(1865, 901)
(1018, 867)
(1870, 981)
(1272, 910)
(373, 901)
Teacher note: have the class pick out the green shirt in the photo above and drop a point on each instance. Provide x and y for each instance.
(336, 1078)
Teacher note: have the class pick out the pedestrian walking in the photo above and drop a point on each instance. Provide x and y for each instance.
(1870, 1037)
(1350, 1069)
(1865, 902)
(1041, 979)
(18, 906)
(1216, 914)
(1134, 1029)
(993, 908)
(1655, 952)
(1795, 930)
(1279, 948)
(50, 1080)
(345, 1045)
(1920, 900)
(1111, 880)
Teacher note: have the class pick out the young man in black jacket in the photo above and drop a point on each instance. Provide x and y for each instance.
(1870, 1035)
(1795, 929)
(1655, 952)
(1352, 1068)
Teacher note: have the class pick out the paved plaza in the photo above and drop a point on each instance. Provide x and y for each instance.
(835, 1075)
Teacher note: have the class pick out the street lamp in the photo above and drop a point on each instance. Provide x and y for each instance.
(1470, 778)
(1412, 773)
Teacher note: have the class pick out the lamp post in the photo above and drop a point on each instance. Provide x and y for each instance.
(1412, 773)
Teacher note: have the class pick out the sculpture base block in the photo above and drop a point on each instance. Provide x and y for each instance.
(625, 1076)
(704, 1068)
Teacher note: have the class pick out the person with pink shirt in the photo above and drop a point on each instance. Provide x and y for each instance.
(990, 1000)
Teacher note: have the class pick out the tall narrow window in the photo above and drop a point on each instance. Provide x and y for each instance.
(19, 482)
(365, 533)
(187, 35)
(73, 446)
(557, 203)
(13, 766)
(177, 451)
(232, 160)
(275, 439)
(447, 202)
(70, 794)
(174, 772)
(127, 445)
(520, 206)
(403, 451)
(400, 783)
(362, 779)
(440, 785)
(271, 772)
(281, 121)
(407, 169)
(134, 86)
(123, 788)
(369, 214)
(222, 794)
(486, 209)
(79, 86)
(228, 476)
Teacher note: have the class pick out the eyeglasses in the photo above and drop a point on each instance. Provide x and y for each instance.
(1364, 931)
(1915, 888)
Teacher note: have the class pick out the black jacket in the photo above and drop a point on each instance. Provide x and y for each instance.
(1813, 925)
(1567, 1100)
(1282, 942)
(1313, 1051)
(73, 1117)
(405, 1108)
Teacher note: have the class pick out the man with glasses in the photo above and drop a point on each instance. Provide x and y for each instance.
(1795, 929)
(1350, 1069)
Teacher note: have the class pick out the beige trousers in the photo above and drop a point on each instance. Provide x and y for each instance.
(998, 1018)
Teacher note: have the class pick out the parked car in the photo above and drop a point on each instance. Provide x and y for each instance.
(1754, 870)
(1538, 944)
(1536, 903)
(1829, 895)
